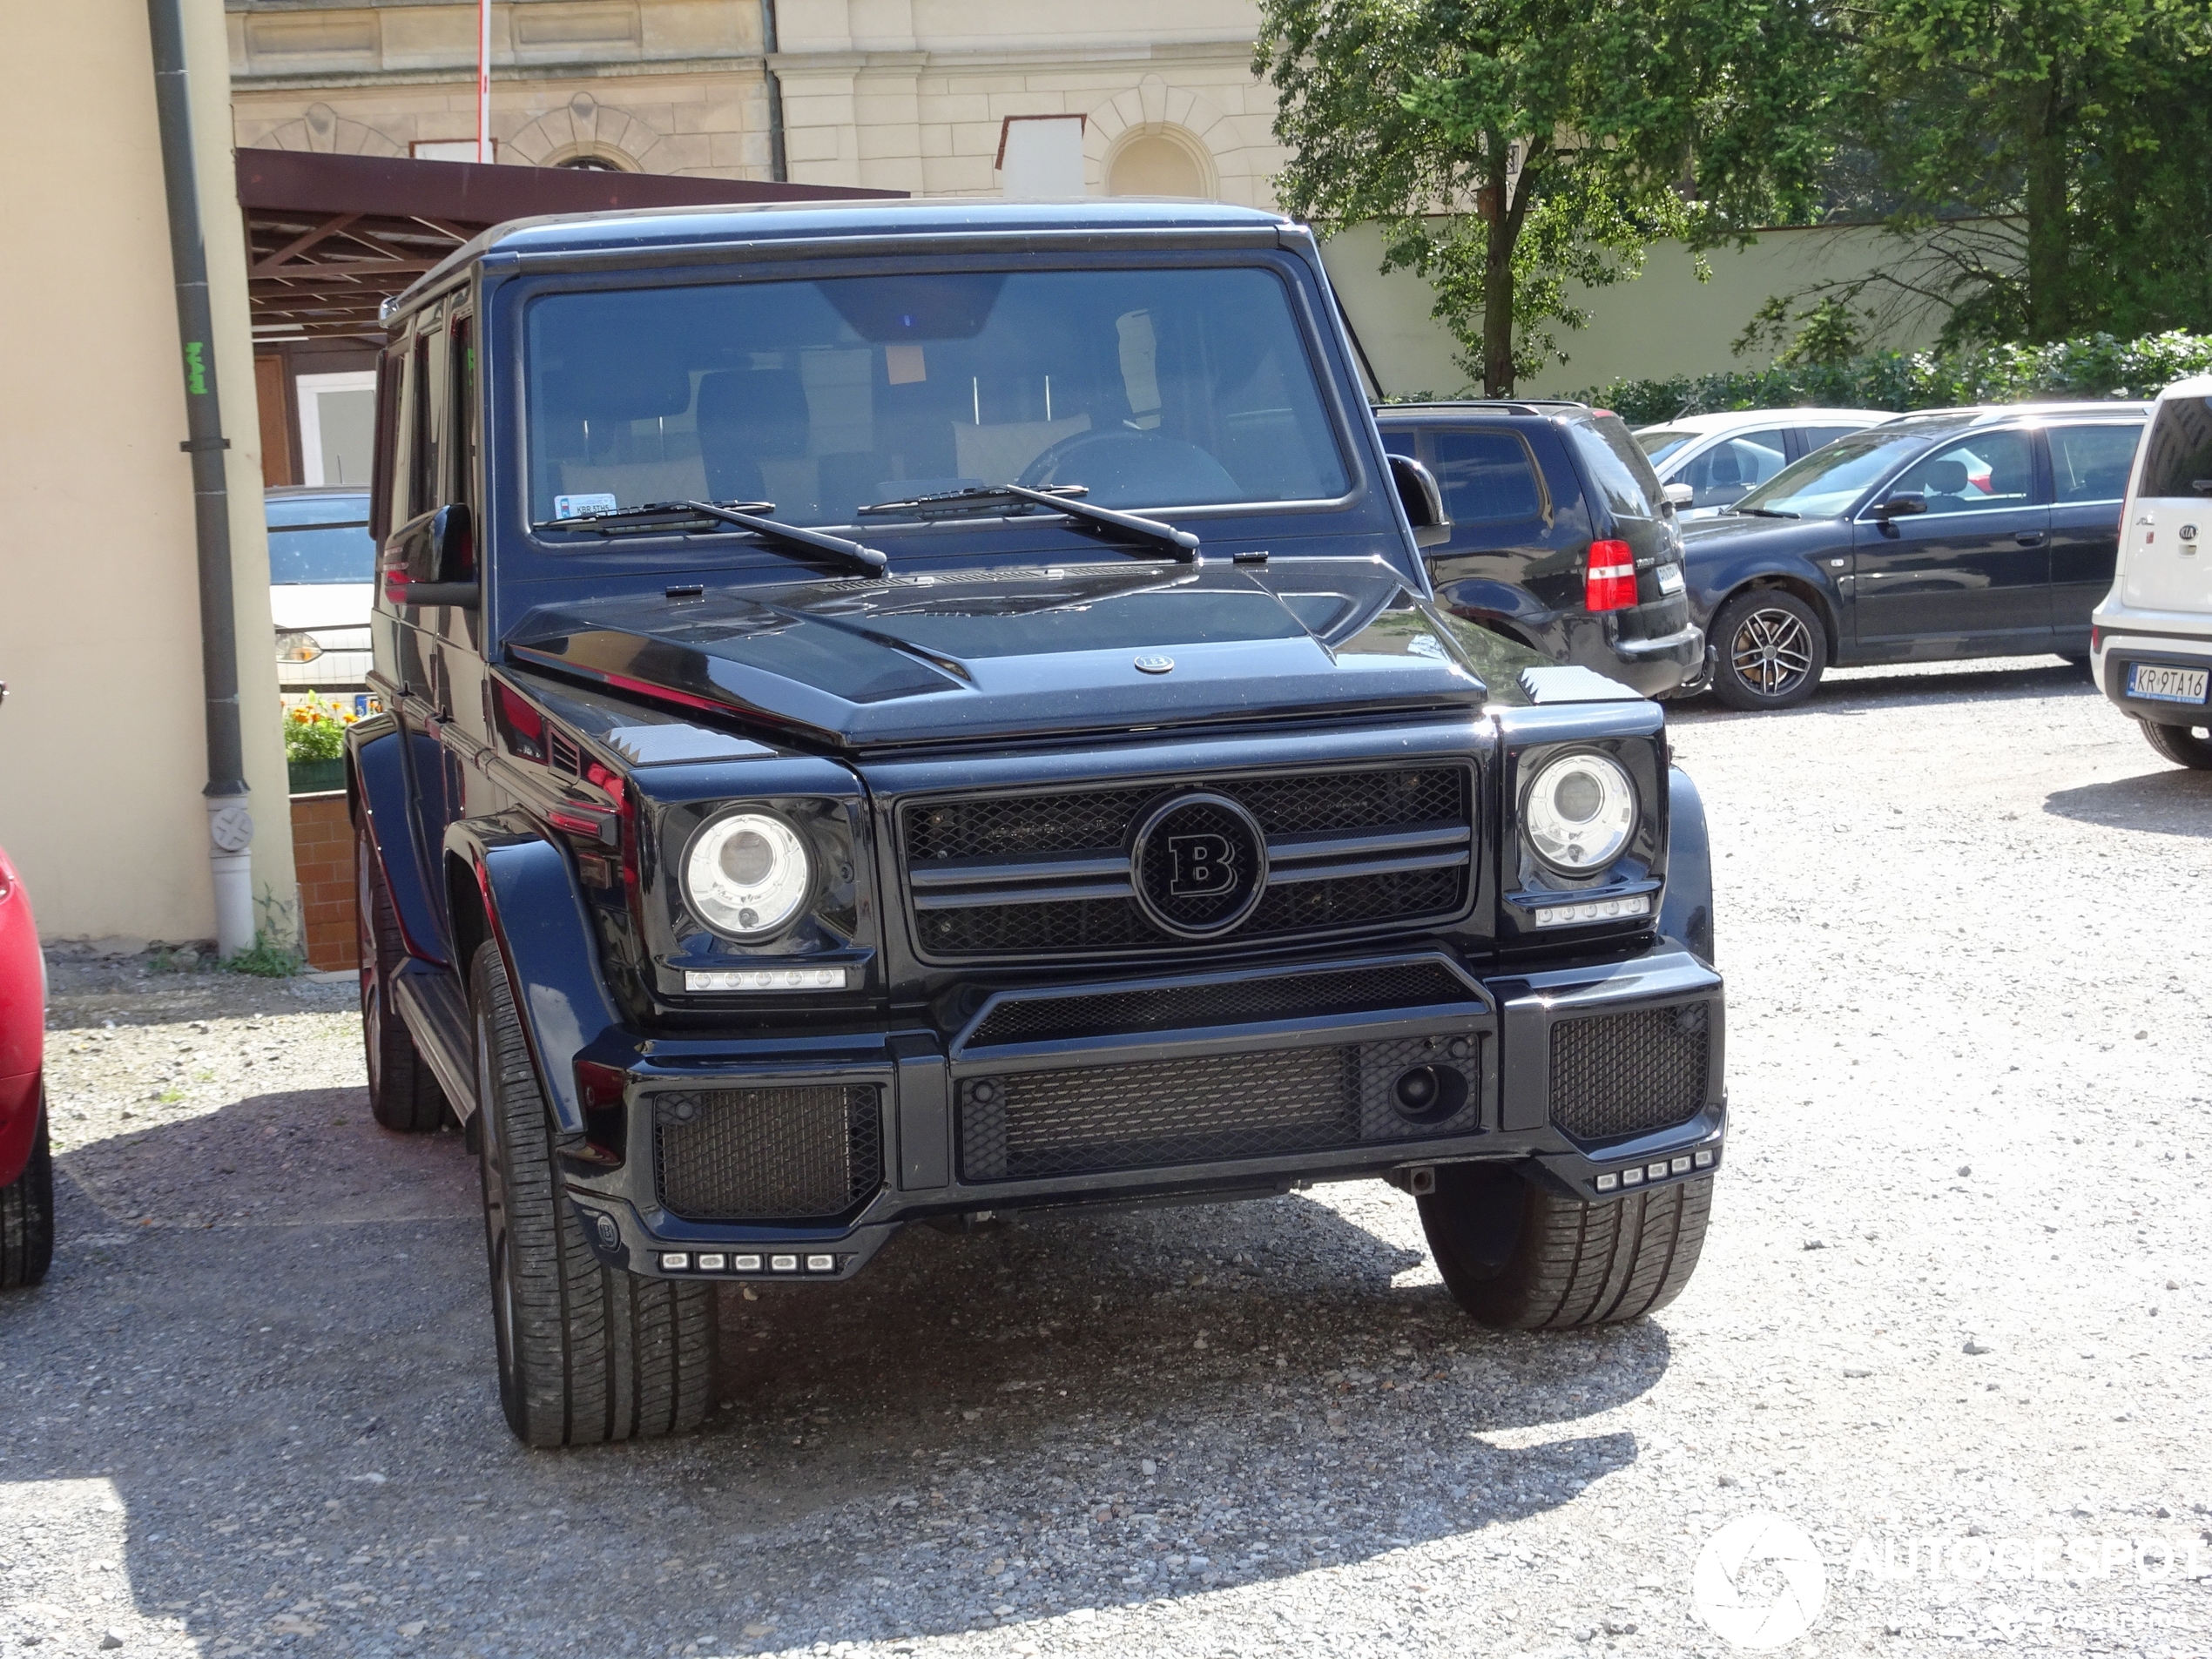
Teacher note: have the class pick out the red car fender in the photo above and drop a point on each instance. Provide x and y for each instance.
(22, 1022)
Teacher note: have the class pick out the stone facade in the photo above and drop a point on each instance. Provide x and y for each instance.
(900, 94)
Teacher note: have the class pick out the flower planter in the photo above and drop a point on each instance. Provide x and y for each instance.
(317, 776)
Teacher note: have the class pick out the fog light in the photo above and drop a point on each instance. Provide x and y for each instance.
(712, 1264)
(765, 978)
(1576, 915)
(1609, 1182)
(745, 1264)
(783, 1264)
(1704, 1160)
(675, 1261)
(821, 1264)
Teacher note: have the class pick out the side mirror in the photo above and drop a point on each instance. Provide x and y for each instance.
(431, 560)
(1898, 507)
(1678, 495)
(1422, 499)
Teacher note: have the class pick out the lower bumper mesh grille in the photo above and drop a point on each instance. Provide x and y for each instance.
(1204, 1109)
(797, 1154)
(1615, 1075)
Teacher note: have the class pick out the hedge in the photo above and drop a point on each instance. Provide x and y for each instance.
(2094, 366)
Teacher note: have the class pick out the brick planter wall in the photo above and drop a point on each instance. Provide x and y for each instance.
(322, 850)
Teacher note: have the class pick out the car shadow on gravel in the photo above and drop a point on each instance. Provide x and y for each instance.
(2174, 802)
(268, 1331)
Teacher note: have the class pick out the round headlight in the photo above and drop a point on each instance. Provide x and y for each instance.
(747, 874)
(1579, 812)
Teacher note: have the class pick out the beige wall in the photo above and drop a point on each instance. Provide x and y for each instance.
(900, 94)
(1665, 322)
(102, 749)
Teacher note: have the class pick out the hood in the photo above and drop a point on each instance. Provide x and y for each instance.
(970, 656)
(1730, 533)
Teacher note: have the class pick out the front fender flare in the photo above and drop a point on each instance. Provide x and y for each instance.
(1686, 913)
(377, 795)
(546, 943)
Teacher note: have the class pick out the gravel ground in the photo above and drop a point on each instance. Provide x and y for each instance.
(1953, 1318)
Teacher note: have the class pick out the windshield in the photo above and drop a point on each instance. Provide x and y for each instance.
(322, 539)
(1829, 480)
(1152, 389)
(1660, 442)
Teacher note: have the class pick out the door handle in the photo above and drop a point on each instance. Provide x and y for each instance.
(2028, 538)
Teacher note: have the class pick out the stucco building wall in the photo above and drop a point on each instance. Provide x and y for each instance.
(899, 94)
(102, 744)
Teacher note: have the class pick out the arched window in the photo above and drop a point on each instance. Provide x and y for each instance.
(1154, 165)
(592, 164)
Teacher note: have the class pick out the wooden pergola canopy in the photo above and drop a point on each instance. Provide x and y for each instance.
(330, 238)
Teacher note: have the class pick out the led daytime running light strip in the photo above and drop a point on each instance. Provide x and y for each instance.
(1657, 1170)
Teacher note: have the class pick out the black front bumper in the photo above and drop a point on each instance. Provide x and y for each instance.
(1599, 1078)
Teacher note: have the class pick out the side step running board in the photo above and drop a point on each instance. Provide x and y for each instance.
(437, 1016)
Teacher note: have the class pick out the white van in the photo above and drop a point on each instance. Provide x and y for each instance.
(2151, 639)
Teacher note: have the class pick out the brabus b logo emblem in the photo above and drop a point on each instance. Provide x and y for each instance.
(1198, 864)
(1200, 867)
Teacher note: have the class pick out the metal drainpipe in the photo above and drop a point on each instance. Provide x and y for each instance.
(230, 826)
(778, 164)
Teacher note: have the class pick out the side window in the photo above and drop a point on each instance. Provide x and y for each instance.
(427, 481)
(1990, 470)
(461, 413)
(2177, 460)
(1816, 436)
(387, 506)
(1725, 472)
(1618, 471)
(2091, 463)
(1487, 476)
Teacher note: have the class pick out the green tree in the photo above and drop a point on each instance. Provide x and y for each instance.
(1511, 148)
(2077, 125)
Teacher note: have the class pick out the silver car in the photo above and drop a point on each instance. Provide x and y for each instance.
(322, 582)
(1718, 457)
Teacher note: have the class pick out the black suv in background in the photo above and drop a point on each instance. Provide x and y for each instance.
(1562, 535)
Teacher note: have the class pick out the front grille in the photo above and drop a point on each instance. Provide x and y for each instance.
(1149, 1114)
(1158, 1112)
(1616, 1075)
(1050, 873)
(1184, 1008)
(800, 1154)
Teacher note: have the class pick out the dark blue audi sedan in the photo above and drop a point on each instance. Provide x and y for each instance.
(1955, 533)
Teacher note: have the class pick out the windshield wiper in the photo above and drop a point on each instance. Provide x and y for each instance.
(632, 520)
(1764, 512)
(1064, 498)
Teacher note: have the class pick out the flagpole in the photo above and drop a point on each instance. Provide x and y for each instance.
(483, 80)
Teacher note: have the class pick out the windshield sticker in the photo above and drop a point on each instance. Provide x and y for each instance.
(583, 506)
(904, 365)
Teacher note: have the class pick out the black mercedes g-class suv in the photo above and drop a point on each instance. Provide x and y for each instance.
(1562, 535)
(907, 711)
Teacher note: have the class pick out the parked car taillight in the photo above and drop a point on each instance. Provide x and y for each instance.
(1609, 577)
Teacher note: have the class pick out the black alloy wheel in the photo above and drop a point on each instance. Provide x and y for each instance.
(403, 1092)
(587, 1352)
(1770, 651)
(27, 1214)
(1520, 1257)
(2189, 746)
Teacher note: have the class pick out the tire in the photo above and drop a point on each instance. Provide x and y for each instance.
(403, 1094)
(27, 1214)
(587, 1352)
(1518, 1257)
(1770, 650)
(2182, 744)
